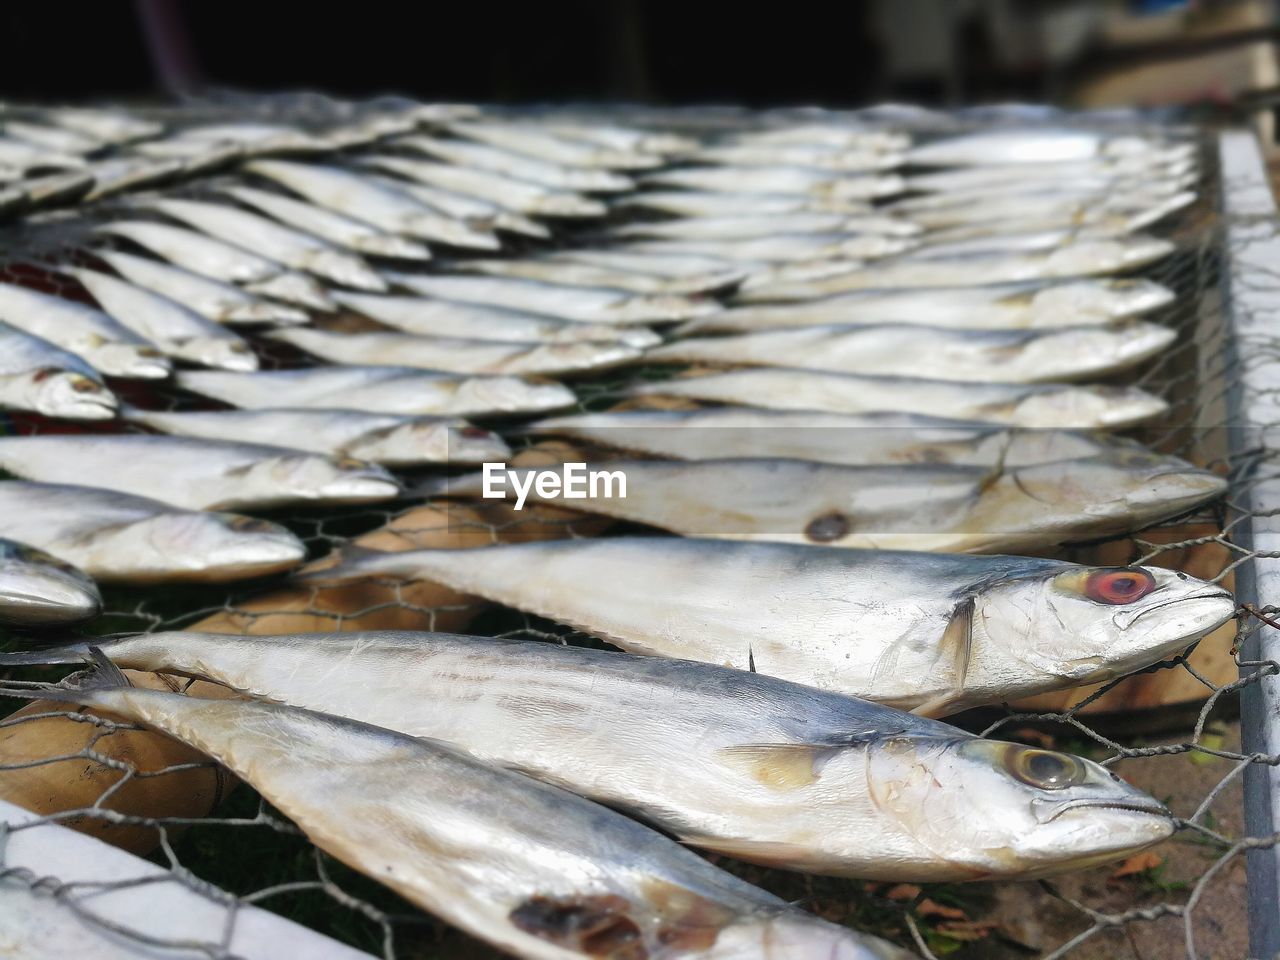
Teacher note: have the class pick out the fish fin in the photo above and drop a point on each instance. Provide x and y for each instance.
(772, 853)
(351, 562)
(65, 653)
(782, 766)
(957, 641)
(77, 688)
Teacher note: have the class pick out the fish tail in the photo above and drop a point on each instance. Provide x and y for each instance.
(82, 687)
(59, 653)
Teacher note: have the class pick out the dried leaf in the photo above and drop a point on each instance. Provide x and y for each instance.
(931, 908)
(903, 891)
(1138, 863)
(1030, 735)
(967, 930)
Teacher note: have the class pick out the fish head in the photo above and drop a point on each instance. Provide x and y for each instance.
(38, 588)
(510, 395)
(987, 808)
(783, 935)
(1085, 407)
(310, 476)
(1098, 349)
(1078, 625)
(195, 545)
(1107, 256)
(1110, 299)
(120, 359)
(428, 440)
(58, 393)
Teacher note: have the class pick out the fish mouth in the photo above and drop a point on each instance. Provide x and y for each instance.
(1216, 598)
(1149, 807)
(87, 408)
(21, 607)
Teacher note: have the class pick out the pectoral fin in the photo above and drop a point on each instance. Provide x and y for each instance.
(771, 853)
(782, 766)
(953, 660)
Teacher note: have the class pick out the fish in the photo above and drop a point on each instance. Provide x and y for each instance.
(794, 180)
(627, 139)
(976, 356)
(934, 633)
(396, 390)
(457, 355)
(942, 508)
(522, 167)
(1051, 175)
(388, 439)
(838, 135)
(736, 762)
(78, 328)
(528, 868)
(284, 245)
(815, 156)
(718, 433)
(568, 273)
(752, 225)
(785, 247)
(1029, 146)
(544, 145)
(1126, 214)
(518, 196)
(697, 267)
(176, 330)
(1029, 306)
(119, 538)
(447, 318)
(352, 195)
(587, 304)
(1084, 259)
(196, 474)
(703, 203)
(116, 175)
(481, 216)
(39, 590)
(212, 299)
(1058, 406)
(37, 376)
(328, 225)
(1096, 191)
(58, 139)
(24, 156)
(109, 126)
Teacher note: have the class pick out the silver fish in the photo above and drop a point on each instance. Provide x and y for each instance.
(116, 175)
(843, 159)
(568, 273)
(695, 203)
(1126, 214)
(481, 216)
(388, 439)
(59, 139)
(1050, 175)
(447, 318)
(99, 340)
(951, 509)
(737, 762)
(588, 304)
(21, 155)
(838, 135)
(1078, 407)
(212, 299)
(978, 356)
(531, 869)
(696, 268)
(37, 589)
(547, 146)
(751, 225)
(1073, 303)
(784, 248)
(109, 126)
(175, 330)
(933, 632)
(795, 180)
(35, 375)
(193, 473)
(401, 390)
(1028, 147)
(520, 167)
(454, 355)
(118, 538)
(1096, 190)
(627, 139)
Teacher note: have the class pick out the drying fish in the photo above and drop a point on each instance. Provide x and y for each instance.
(1058, 406)
(546, 146)
(284, 245)
(480, 215)
(531, 869)
(90, 334)
(933, 632)
(717, 433)
(588, 275)
(175, 330)
(737, 762)
(122, 174)
(24, 156)
(109, 126)
(743, 226)
(819, 157)
(35, 375)
(37, 589)
(212, 299)
(696, 268)
(1122, 214)
(334, 227)
(796, 180)
(978, 356)
(195, 474)
(693, 203)
(783, 247)
(588, 304)
(1097, 190)
(1087, 258)
(453, 355)
(950, 509)
(1047, 175)
(118, 538)
(59, 139)
(1029, 147)
(1003, 307)
(398, 441)
(401, 390)
(625, 139)
(829, 135)
(352, 195)
(553, 175)
(447, 318)
(517, 195)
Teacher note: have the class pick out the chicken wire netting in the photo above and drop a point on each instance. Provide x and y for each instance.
(245, 848)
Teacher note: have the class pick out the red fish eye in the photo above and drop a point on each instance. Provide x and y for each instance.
(1118, 586)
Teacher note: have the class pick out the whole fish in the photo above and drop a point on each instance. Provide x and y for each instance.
(718, 433)
(193, 473)
(978, 356)
(627, 139)
(482, 216)
(701, 203)
(58, 139)
(1074, 303)
(794, 180)
(589, 304)
(284, 245)
(23, 156)
(1093, 191)
(212, 299)
(388, 439)
(996, 212)
(531, 869)
(690, 266)
(352, 195)
(830, 135)
(1051, 175)
(751, 225)
(1029, 146)
(933, 632)
(1086, 220)
(521, 167)
(448, 318)
(1088, 258)
(784, 247)
(401, 390)
(587, 275)
(954, 509)
(176, 330)
(991, 243)
(737, 762)
(90, 334)
(454, 355)
(118, 538)
(109, 126)
(815, 156)
(38, 590)
(545, 145)
(328, 225)
(1061, 406)
(35, 375)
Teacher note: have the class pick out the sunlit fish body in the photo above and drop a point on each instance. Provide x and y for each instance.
(37, 376)
(39, 590)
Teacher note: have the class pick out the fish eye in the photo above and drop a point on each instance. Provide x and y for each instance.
(1044, 769)
(1118, 586)
(242, 524)
(85, 385)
